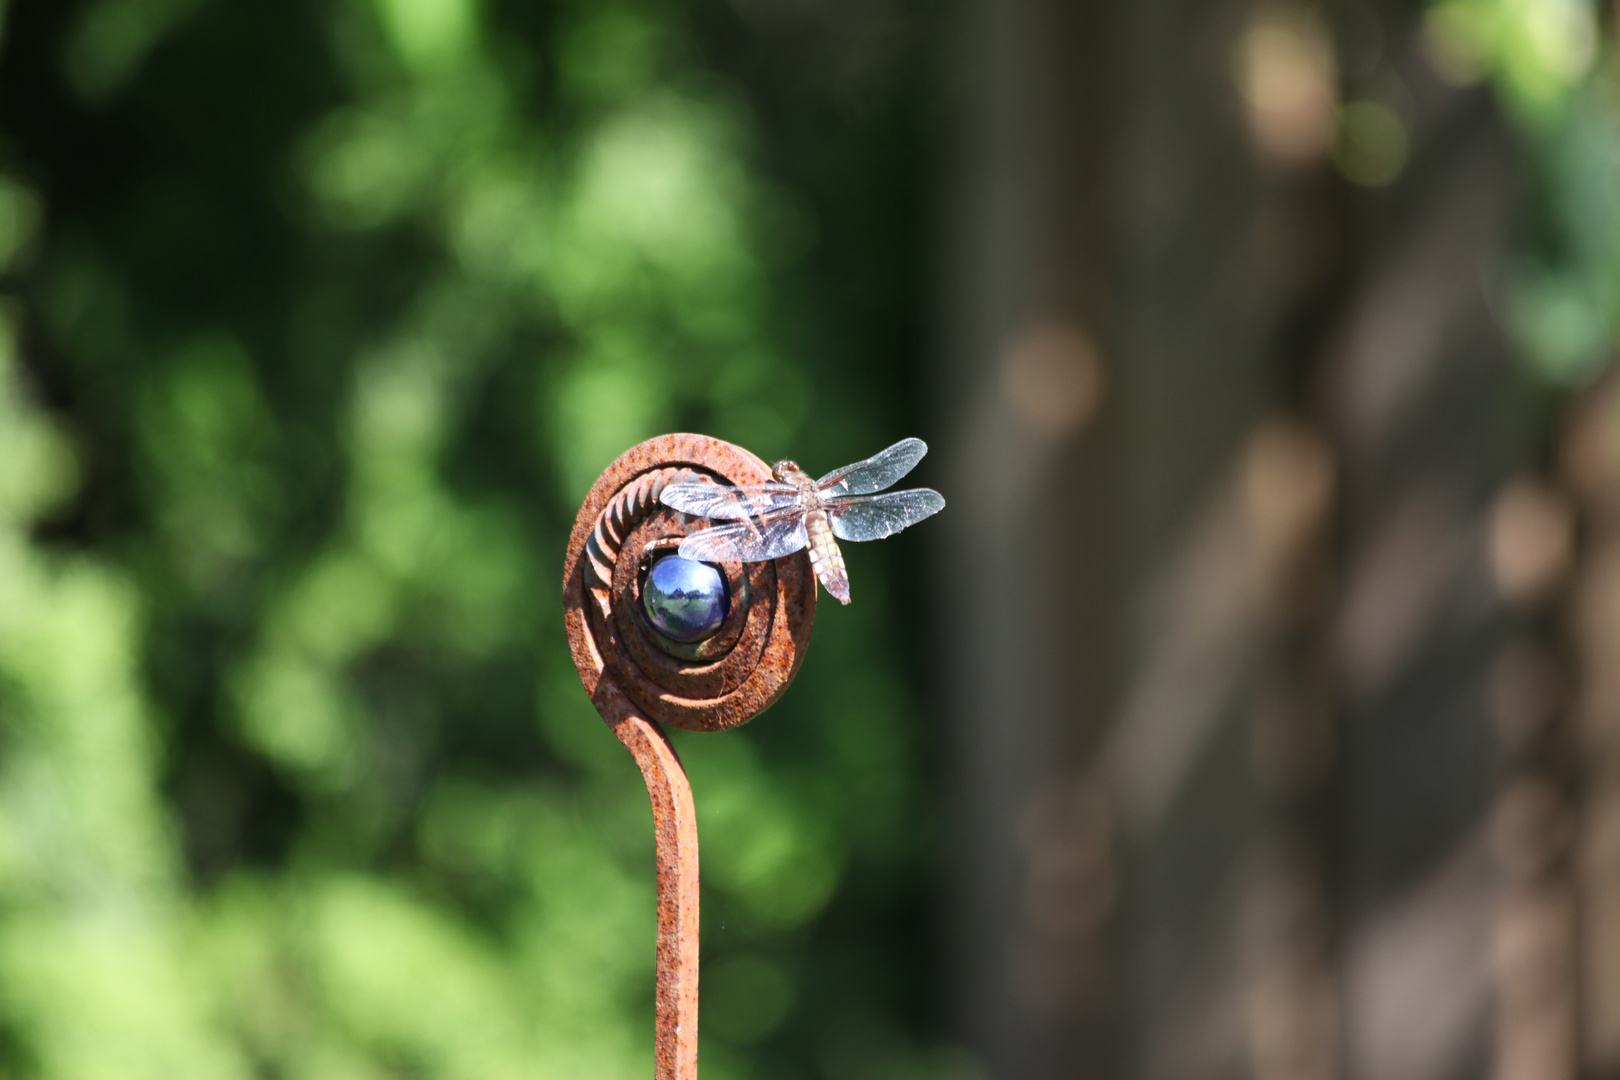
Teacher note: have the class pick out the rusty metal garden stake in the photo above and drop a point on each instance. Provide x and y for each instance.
(639, 678)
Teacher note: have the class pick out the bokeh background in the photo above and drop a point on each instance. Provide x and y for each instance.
(1253, 710)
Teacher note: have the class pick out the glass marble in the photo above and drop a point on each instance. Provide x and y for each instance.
(685, 600)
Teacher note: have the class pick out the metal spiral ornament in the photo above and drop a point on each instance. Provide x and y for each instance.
(639, 678)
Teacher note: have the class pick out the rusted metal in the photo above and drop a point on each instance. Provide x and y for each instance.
(638, 680)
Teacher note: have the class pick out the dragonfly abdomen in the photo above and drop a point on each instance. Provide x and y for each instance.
(825, 558)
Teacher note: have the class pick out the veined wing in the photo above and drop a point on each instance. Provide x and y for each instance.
(723, 503)
(756, 540)
(876, 472)
(872, 517)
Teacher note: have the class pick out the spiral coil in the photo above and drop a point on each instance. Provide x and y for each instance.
(621, 530)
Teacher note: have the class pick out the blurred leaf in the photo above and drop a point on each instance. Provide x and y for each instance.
(113, 37)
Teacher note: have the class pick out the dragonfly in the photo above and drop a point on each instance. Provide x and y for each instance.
(793, 512)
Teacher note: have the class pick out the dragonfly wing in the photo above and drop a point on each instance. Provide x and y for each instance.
(878, 471)
(722, 503)
(747, 541)
(872, 517)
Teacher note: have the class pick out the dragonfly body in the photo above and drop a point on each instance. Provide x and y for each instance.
(825, 558)
(794, 512)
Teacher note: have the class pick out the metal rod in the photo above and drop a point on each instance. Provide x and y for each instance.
(639, 688)
(675, 828)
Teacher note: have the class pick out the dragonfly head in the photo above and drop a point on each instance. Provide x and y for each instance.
(786, 471)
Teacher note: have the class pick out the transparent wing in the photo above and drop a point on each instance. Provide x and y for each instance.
(878, 471)
(747, 541)
(703, 499)
(872, 517)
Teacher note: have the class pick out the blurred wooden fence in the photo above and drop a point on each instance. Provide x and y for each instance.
(1284, 708)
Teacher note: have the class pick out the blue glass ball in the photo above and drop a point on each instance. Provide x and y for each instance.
(685, 600)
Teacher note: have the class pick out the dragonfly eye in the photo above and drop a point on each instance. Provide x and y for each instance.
(685, 600)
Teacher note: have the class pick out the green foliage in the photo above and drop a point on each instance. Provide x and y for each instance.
(323, 318)
(1558, 72)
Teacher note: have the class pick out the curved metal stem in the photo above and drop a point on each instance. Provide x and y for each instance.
(675, 826)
